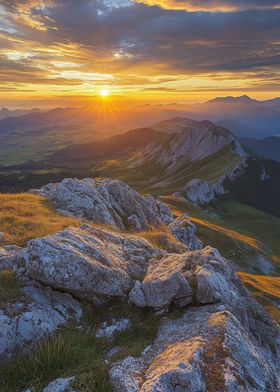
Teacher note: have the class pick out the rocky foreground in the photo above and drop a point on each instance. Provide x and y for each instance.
(213, 335)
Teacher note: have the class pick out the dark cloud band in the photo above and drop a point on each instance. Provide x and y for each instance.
(53, 39)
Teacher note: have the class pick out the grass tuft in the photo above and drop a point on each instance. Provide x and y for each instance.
(77, 352)
(10, 288)
(69, 352)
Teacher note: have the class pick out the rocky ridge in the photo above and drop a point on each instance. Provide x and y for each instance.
(196, 158)
(221, 339)
(190, 145)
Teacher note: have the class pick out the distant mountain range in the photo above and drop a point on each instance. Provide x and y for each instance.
(229, 99)
(244, 99)
(4, 112)
(197, 159)
(244, 116)
(268, 147)
(36, 134)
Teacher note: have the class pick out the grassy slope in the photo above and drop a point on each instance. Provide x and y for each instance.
(210, 169)
(236, 222)
(266, 290)
(25, 216)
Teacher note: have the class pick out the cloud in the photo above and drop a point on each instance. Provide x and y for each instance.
(213, 5)
(84, 76)
(128, 44)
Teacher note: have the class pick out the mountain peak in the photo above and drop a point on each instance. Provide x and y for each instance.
(231, 99)
(189, 145)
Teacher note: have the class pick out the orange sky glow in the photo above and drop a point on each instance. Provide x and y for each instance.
(65, 52)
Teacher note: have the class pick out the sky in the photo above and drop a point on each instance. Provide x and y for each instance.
(67, 51)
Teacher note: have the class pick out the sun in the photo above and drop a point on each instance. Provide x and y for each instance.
(104, 92)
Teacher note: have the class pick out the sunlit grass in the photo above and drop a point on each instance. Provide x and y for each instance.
(25, 216)
(235, 235)
(266, 290)
(160, 238)
(267, 284)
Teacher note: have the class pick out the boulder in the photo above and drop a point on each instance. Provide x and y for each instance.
(184, 231)
(90, 263)
(108, 202)
(165, 282)
(203, 277)
(227, 343)
(36, 314)
(199, 191)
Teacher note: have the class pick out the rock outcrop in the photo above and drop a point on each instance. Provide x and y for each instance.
(90, 263)
(208, 349)
(228, 343)
(36, 314)
(108, 202)
(201, 192)
(220, 340)
(199, 277)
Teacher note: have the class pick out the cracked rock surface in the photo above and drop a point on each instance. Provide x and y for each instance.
(92, 264)
(37, 314)
(205, 350)
(109, 202)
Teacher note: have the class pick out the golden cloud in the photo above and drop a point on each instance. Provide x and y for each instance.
(211, 5)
